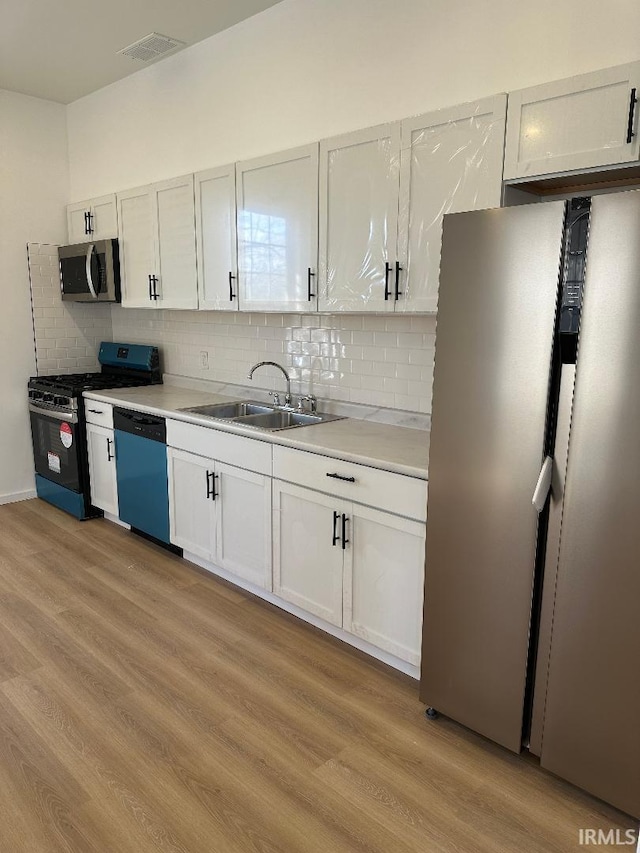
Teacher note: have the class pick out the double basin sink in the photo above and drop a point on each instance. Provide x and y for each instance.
(260, 415)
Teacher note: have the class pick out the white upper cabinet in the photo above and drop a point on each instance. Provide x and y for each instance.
(94, 219)
(215, 192)
(157, 245)
(578, 123)
(358, 219)
(451, 162)
(277, 223)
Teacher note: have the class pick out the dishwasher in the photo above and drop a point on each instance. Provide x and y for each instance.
(141, 472)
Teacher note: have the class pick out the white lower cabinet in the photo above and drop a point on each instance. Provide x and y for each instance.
(308, 555)
(384, 580)
(358, 568)
(102, 468)
(221, 513)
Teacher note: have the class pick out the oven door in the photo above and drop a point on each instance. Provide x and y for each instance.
(57, 446)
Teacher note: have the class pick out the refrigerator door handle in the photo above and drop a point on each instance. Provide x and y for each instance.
(543, 486)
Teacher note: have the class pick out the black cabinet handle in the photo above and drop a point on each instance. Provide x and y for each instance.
(90, 222)
(340, 477)
(110, 455)
(632, 108)
(387, 273)
(153, 290)
(86, 222)
(335, 536)
(232, 295)
(398, 271)
(96, 411)
(310, 275)
(150, 288)
(345, 541)
(209, 484)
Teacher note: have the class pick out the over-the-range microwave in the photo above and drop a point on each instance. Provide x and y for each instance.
(90, 272)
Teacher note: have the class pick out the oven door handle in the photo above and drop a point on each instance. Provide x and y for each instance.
(90, 251)
(69, 417)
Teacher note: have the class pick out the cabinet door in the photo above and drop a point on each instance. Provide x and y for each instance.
(104, 220)
(243, 511)
(192, 520)
(77, 222)
(384, 579)
(102, 468)
(577, 123)
(307, 558)
(215, 192)
(277, 201)
(358, 219)
(137, 247)
(175, 243)
(451, 162)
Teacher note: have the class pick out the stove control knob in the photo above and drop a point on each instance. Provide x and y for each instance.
(61, 401)
(47, 398)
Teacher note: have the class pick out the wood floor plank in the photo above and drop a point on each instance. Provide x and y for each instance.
(146, 705)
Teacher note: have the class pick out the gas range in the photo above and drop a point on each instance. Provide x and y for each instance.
(58, 425)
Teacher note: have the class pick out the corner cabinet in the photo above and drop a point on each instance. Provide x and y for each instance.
(582, 122)
(215, 193)
(383, 193)
(218, 511)
(157, 245)
(94, 219)
(277, 231)
(358, 567)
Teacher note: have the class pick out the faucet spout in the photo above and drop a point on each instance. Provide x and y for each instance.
(287, 398)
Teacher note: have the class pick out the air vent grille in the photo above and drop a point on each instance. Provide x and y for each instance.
(151, 47)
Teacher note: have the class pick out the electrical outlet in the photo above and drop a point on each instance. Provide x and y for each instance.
(204, 359)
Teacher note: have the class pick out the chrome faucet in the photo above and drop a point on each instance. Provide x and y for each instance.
(276, 397)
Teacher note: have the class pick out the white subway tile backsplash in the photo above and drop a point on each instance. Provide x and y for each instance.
(67, 335)
(330, 354)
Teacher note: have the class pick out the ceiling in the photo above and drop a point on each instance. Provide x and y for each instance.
(65, 49)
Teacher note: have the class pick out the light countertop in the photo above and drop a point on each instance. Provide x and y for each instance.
(392, 448)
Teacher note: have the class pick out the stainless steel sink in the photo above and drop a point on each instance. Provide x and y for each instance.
(230, 411)
(260, 415)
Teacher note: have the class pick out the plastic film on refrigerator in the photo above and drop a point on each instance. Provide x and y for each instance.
(359, 182)
(451, 162)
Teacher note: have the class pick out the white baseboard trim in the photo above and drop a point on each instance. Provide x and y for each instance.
(327, 627)
(18, 496)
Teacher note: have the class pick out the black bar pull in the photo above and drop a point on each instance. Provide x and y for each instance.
(110, 455)
(86, 222)
(215, 494)
(345, 541)
(398, 271)
(387, 273)
(310, 275)
(632, 108)
(232, 295)
(340, 477)
(154, 282)
(150, 288)
(209, 484)
(335, 536)
(90, 222)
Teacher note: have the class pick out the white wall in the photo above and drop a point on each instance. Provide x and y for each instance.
(305, 69)
(33, 191)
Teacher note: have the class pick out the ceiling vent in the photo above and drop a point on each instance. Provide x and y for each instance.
(151, 47)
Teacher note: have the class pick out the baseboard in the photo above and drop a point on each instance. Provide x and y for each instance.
(18, 496)
(340, 634)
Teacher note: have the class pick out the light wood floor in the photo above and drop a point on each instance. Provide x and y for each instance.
(145, 705)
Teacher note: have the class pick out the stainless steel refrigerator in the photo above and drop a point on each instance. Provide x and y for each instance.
(531, 630)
